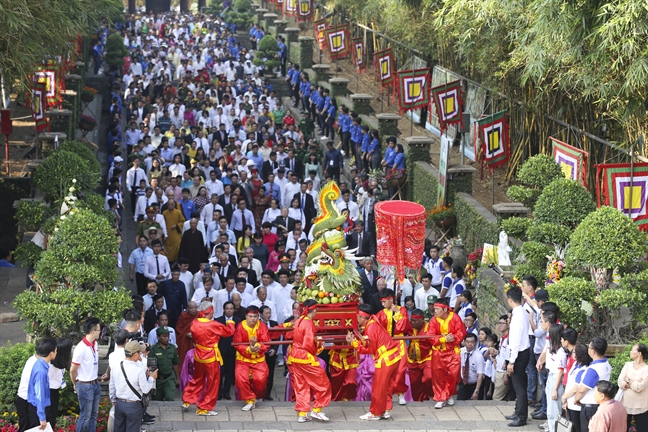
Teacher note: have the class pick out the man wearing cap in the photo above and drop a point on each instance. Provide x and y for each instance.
(307, 376)
(419, 357)
(429, 311)
(202, 390)
(168, 364)
(130, 373)
(387, 355)
(251, 374)
(447, 331)
(147, 223)
(395, 320)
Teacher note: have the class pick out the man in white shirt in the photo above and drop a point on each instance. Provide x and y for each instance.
(152, 289)
(599, 369)
(214, 186)
(207, 292)
(472, 369)
(421, 294)
(224, 295)
(207, 214)
(241, 286)
(281, 294)
(157, 265)
(186, 276)
(289, 191)
(519, 354)
(133, 178)
(84, 375)
(162, 321)
(242, 217)
(255, 264)
(434, 267)
(501, 387)
(143, 203)
(262, 300)
(347, 204)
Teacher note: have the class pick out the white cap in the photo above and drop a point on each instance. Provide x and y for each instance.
(119, 159)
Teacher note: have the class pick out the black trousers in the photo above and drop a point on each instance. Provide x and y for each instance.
(334, 172)
(346, 139)
(271, 361)
(519, 380)
(128, 416)
(27, 416)
(53, 410)
(141, 281)
(587, 412)
(227, 374)
(641, 421)
(466, 391)
(574, 416)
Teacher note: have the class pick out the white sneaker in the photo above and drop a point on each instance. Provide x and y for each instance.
(248, 407)
(544, 425)
(319, 416)
(401, 399)
(386, 415)
(303, 419)
(451, 401)
(370, 417)
(439, 404)
(280, 362)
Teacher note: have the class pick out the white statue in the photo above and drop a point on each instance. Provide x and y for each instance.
(503, 250)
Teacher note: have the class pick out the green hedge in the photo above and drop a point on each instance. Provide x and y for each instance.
(423, 184)
(472, 225)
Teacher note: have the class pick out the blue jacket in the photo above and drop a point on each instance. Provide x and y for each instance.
(294, 78)
(390, 153)
(374, 146)
(344, 121)
(356, 134)
(399, 161)
(304, 87)
(365, 143)
(187, 208)
(334, 156)
(38, 392)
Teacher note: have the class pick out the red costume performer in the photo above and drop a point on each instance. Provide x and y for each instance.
(396, 324)
(419, 357)
(387, 357)
(206, 333)
(446, 362)
(251, 373)
(306, 373)
(343, 366)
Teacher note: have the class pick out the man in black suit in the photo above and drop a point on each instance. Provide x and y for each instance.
(150, 316)
(220, 136)
(369, 280)
(271, 355)
(307, 205)
(227, 269)
(228, 202)
(284, 224)
(248, 275)
(363, 240)
(227, 352)
(374, 300)
(269, 166)
(291, 163)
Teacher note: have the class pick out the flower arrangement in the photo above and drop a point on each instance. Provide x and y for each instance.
(555, 269)
(87, 122)
(512, 283)
(89, 91)
(394, 175)
(377, 174)
(439, 213)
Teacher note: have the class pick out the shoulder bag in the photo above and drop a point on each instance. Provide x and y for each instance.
(144, 398)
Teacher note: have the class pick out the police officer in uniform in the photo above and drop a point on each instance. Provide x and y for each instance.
(168, 363)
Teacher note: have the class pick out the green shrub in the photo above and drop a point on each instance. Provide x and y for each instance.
(523, 269)
(62, 312)
(96, 203)
(82, 150)
(80, 253)
(545, 232)
(31, 214)
(536, 253)
(535, 174)
(12, 360)
(621, 358)
(267, 51)
(115, 51)
(54, 176)
(516, 227)
(523, 194)
(568, 294)
(564, 202)
(607, 239)
(632, 293)
(28, 253)
(473, 228)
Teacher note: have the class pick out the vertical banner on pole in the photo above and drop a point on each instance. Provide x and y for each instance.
(338, 41)
(413, 89)
(320, 28)
(448, 101)
(494, 133)
(443, 169)
(624, 187)
(572, 161)
(304, 10)
(384, 67)
(358, 54)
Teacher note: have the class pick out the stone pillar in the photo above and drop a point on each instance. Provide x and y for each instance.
(269, 19)
(460, 179)
(293, 33)
(361, 103)
(322, 72)
(388, 124)
(60, 120)
(306, 51)
(339, 87)
(260, 12)
(280, 26)
(418, 150)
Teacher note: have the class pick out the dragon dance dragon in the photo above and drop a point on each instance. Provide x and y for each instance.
(330, 275)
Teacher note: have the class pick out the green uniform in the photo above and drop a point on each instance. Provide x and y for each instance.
(307, 126)
(166, 359)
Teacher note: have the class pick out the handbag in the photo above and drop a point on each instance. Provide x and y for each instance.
(144, 398)
(619, 395)
(563, 424)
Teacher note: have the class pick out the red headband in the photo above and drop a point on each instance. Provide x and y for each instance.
(387, 297)
(363, 313)
(310, 308)
(441, 305)
(207, 311)
(417, 316)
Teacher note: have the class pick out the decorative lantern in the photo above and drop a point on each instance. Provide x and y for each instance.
(400, 234)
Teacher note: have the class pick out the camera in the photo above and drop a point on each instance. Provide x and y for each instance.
(151, 363)
(136, 336)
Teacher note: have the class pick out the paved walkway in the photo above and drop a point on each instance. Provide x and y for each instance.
(280, 416)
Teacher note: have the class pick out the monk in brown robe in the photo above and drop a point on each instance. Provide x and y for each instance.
(183, 330)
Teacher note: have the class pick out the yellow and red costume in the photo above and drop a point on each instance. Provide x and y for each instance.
(251, 373)
(387, 356)
(343, 366)
(397, 324)
(446, 361)
(207, 360)
(306, 373)
(419, 357)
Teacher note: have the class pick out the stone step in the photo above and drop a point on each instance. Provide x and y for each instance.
(464, 416)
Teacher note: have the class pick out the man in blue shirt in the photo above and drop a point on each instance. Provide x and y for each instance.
(344, 122)
(314, 100)
(283, 54)
(5, 258)
(356, 140)
(187, 204)
(137, 259)
(333, 161)
(321, 110)
(38, 392)
(175, 293)
(305, 92)
(294, 82)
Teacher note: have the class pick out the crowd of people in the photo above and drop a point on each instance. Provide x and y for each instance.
(223, 184)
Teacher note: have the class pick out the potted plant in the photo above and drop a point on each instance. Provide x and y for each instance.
(442, 216)
(87, 123)
(88, 94)
(267, 55)
(396, 177)
(115, 52)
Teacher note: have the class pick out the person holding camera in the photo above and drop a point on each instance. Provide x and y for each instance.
(129, 384)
